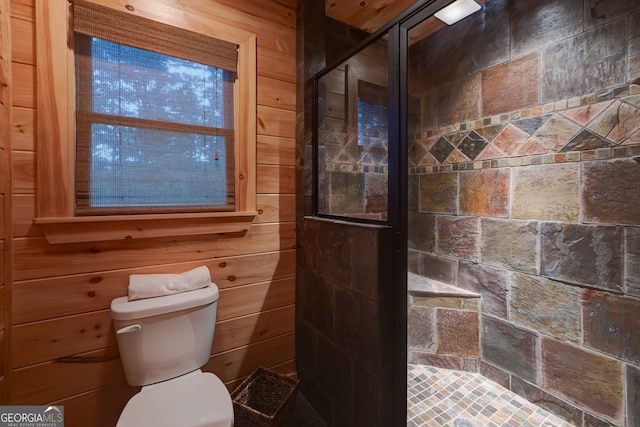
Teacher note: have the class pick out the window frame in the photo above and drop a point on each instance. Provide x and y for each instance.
(56, 135)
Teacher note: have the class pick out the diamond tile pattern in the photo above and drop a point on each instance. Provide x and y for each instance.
(589, 126)
(441, 149)
(472, 145)
(585, 140)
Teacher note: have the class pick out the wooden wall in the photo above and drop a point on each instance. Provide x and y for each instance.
(5, 185)
(63, 348)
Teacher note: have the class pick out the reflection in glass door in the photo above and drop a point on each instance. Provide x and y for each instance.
(353, 137)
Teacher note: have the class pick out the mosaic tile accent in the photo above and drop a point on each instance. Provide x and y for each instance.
(441, 149)
(446, 398)
(577, 127)
(585, 140)
(472, 145)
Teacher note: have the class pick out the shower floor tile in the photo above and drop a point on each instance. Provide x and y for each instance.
(445, 398)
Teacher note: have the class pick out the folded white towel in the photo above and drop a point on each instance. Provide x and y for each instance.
(197, 278)
(154, 285)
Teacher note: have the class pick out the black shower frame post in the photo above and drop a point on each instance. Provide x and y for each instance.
(397, 220)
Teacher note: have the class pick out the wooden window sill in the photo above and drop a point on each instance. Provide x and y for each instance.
(129, 227)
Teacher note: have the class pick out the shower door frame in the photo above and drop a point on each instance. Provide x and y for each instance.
(398, 170)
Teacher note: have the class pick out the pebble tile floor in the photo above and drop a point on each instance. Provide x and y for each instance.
(445, 398)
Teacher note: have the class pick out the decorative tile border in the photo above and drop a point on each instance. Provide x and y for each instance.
(568, 130)
(551, 107)
(597, 126)
(572, 156)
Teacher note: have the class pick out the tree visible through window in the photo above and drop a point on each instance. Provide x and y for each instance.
(372, 124)
(160, 132)
(154, 117)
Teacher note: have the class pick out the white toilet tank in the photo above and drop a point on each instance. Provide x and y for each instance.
(164, 337)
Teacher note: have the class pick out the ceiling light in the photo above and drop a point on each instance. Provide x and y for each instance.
(457, 10)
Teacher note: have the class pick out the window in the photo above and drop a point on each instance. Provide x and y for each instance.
(154, 131)
(372, 123)
(196, 145)
(372, 116)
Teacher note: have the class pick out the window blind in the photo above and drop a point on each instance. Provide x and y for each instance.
(154, 116)
(110, 24)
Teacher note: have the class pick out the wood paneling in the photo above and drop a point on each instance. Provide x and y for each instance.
(65, 336)
(23, 9)
(258, 10)
(242, 361)
(2, 219)
(276, 122)
(36, 300)
(24, 172)
(276, 93)
(276, 179)
(61, 293)
(276, 207)
(35, 258)
(101, 407)
(367, 15)
(196, 15)
(3, 271)
(6, 101)
(248, 299)
(95, 369)
(2, 305)
(96, 408)
(23, 212)
(89, 371)
(23, 129)
(24, 85)
(71, 335)
(234, 333)
(23, 46)
(276, 65)
(3, 344)
(273, 150)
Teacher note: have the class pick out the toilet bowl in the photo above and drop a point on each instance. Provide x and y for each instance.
(195, 399)
(163, 343)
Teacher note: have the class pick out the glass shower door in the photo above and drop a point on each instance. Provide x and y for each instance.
(353, 137)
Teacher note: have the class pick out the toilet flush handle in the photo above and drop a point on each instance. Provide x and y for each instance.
(129, 329)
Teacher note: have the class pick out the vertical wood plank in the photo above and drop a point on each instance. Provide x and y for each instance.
(6, 101)
(53, 90)
(23, 47)
(23, 122)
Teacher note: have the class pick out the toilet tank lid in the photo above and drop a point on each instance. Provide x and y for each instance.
(123, 309)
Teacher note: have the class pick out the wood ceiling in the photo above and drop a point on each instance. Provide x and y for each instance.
(370, 15)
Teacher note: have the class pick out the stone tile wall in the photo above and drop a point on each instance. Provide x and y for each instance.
(443, 327)
(525, 188)
(343, 322)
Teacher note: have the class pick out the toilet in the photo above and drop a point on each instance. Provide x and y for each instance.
(163, 342)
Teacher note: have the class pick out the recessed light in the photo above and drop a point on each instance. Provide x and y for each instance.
(457, 10)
